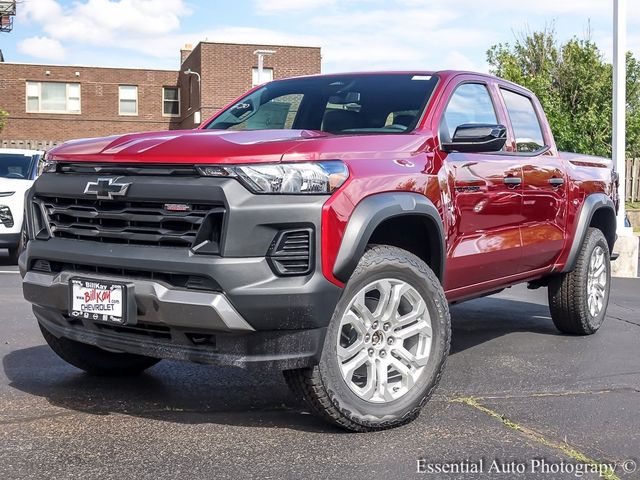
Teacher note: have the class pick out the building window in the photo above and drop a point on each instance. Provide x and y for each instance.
(267, 76)
(53, 97)
(170, 101)
(128, 99)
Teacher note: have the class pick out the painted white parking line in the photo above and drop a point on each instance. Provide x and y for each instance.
(9, 271)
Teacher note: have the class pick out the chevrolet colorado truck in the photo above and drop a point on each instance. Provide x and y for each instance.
(321, 226)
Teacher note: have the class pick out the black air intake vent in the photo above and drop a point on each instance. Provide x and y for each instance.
(291, 252)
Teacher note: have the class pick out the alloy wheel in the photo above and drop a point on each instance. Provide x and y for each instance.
(384, 340)
(596, 281)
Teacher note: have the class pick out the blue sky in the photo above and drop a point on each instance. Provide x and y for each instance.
(353, 34)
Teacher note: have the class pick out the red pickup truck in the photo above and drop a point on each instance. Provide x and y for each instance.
(321, 226)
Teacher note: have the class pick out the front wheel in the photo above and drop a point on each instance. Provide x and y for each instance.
(385, 347)
(578, 299)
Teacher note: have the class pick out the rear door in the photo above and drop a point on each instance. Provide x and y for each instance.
(486, 195)
(544, 186)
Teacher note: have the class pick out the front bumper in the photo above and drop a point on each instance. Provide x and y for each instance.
(254, 319)
(281, 350)
(239, 312)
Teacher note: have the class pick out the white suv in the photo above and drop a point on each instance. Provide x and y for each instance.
(18, 170)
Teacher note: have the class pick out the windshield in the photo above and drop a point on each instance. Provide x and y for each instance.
(15, 165)
(340, 104)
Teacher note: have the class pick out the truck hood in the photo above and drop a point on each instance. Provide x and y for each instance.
(224, 146)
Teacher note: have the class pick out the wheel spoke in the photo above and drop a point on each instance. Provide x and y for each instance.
(599, 270)
(352, 365)
(360, 308)
(410, 358)
(369, 390)
(390, 296)
(420, 327)
(345, 353)
(382, 380)
(418, 311)
(592, 305)
(407, 373)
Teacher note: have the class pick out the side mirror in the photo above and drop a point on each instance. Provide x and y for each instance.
(477, 137)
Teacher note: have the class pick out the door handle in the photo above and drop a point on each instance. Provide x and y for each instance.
(512, 180)
(556, 181)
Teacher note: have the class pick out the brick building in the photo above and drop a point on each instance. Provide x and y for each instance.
(54, 103)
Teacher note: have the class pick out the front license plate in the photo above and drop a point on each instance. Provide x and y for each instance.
(98, 300)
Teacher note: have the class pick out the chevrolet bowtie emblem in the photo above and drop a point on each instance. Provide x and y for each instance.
(107, 188)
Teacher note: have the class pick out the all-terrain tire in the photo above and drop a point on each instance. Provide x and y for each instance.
(96, 361)
(569, 293)
(323, 387)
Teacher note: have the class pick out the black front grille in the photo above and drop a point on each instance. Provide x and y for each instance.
(290, 252)
(135, 223)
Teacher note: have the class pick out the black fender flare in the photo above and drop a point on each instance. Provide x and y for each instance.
(370, 213)
(591, 204)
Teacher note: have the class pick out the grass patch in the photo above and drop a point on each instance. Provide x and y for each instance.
(568, 450)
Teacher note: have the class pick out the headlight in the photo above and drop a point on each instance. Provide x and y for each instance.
(6, 194)
(48, 166)
(286, 178)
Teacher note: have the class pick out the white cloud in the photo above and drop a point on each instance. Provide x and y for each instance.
(286, 6)
(41, 11)
(42, 47)
(459, 61)
(105, 22)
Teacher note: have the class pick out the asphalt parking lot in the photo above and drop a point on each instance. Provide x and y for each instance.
(514, 390)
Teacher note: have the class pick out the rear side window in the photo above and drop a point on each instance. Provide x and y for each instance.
(470, 103)
(525, 123)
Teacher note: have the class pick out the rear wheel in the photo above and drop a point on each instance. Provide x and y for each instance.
(578, 299)
(385, 348)
(97, 361)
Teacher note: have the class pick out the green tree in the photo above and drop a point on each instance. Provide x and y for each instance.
(574, 85)
(3, 119)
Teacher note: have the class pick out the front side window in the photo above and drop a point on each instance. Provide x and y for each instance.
(525, 123)
(171, 101)
(128, 99)
(470, 103)
(53, 97)
(341, 105)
